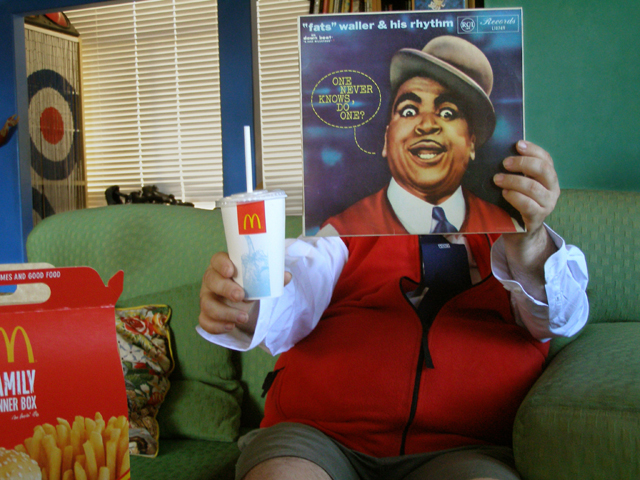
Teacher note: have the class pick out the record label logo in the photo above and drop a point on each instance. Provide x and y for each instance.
(466, 25)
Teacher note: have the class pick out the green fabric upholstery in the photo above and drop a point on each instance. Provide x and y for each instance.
(158, 246)
(254, 366)
(606, 227)
(582, 419)
(205, 395)
(188, 460)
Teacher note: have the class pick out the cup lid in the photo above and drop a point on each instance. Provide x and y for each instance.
(248, 197)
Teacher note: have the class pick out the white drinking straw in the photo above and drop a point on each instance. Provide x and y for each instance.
(247, 158)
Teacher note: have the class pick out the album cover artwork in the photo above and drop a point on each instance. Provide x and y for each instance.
(407, 117)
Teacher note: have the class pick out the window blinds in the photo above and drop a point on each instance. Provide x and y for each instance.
(151, 98)
(279, 84)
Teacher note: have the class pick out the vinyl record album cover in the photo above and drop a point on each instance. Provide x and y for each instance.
(406, 118)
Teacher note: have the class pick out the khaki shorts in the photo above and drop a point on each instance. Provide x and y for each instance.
(341, 463)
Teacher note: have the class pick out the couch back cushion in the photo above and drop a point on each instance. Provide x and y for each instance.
(158, 246)
(606, 227)
(204, 401)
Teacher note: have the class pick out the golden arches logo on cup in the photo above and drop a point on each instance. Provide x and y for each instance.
(10, 344)
(251, 218)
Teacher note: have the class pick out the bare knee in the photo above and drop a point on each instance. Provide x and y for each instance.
(287, 468)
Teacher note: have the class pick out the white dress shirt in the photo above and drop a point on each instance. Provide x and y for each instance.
(316, 264)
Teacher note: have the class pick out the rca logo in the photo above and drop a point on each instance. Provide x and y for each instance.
(10, 344)
(251, 218)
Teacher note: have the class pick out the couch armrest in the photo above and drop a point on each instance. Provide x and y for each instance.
(582, 418)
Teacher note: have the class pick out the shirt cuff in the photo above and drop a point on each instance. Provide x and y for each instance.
(242, 341)
(520, 296)
(235, 340)
(566, 279)
(552, 266)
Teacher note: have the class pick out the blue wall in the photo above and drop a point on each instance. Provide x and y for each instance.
(15, 186)
(15, 205)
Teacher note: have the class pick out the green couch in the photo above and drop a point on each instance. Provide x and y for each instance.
(581, 420)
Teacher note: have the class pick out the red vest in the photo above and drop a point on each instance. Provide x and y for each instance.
(373, 215)
(359, 377)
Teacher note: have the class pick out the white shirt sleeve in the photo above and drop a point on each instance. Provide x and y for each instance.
(566, 280)
(315, 264)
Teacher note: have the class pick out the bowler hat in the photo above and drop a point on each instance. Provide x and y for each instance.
(460, 66)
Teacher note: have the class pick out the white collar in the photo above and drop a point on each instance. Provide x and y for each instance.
(415, 213)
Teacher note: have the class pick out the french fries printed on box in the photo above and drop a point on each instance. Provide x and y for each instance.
(88, 449)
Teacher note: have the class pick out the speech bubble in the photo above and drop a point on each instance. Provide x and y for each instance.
(346, 99)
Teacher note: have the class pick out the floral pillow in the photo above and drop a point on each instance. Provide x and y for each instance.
(144, 341)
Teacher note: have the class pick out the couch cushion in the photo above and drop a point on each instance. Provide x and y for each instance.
(158, 246)
(204, 399)
(606, 227)
(188, 460)
(582, 418)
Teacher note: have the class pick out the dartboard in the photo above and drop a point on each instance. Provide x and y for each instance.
(53, 106)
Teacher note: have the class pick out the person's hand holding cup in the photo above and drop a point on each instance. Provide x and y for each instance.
(254, 224)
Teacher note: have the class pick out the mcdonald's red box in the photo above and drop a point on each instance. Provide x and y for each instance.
(63, 403)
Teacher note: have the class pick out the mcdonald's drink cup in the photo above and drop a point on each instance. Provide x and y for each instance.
(254, 227)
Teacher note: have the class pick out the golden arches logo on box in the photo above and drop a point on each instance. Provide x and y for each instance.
(251, 218)
(10, 344)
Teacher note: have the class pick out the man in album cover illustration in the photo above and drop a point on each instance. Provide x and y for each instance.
(440, 116)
